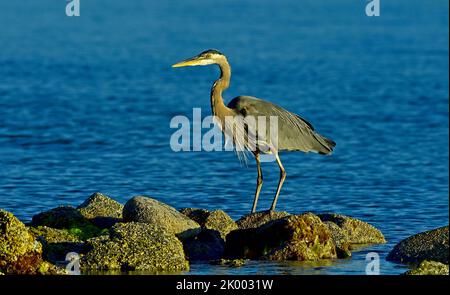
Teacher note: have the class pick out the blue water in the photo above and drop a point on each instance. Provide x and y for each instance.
(85, 106)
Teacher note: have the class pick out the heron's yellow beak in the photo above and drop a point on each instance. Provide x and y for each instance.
(195, 61)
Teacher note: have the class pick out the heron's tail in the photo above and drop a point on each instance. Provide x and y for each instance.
(325, 146)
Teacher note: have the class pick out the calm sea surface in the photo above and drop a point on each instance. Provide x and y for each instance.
(85, 106)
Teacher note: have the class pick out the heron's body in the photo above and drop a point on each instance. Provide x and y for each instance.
(294, 133)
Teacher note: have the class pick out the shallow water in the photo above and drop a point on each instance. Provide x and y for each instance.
(85, 106)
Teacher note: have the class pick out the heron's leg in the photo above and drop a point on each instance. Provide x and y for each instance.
(259, 182)
(280, 182)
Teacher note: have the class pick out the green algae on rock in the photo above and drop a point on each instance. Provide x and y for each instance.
(430, 245)
(295, 237)
(20, 253)
(69, 219)
(429, 268)
(357, 231)
(216, 220)
(101, 210)
(62, 217)
(147, 210)
(56, 243)
(254, 220)
(135, 246)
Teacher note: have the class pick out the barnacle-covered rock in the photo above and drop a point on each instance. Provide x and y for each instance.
(294, 237)
(147, 210)
(135, 246)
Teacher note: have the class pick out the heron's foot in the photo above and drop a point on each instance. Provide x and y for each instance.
(270, 211)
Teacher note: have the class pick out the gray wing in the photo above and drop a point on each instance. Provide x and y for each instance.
(294, 132)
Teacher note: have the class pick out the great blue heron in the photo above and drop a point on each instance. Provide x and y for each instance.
(294, 133)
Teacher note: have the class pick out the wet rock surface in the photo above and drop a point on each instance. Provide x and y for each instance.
(430, 245)
(429, 268)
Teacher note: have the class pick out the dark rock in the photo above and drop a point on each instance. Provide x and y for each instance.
(60, 217)
(135, 246)
(101, 210)
(69, 219)
(429, 245)
(57, 243)
(357, 231)
(258, 219)
(294, 237)
(216, 220)
(429, 268)
(147, 210)
(207, 245)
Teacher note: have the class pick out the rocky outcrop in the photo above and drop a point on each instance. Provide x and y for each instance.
(135, 246)
(258, 219)
(355, 230)
(56, 243)
(340, 239)
(430, 245)
(209, 244)
(20, 253)
(101, 210)
(429, 268)
(216, 220)
(69, 219)
(62, 217)
(294, 237)
(147, 235)
(147, 210)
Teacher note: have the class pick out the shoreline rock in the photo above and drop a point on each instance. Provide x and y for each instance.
(216, 220)
(429, 268)
(101, 210)
(257, 219)
(147, 210)
(429, 245)
(356, 231)
(56, 243)
(209, 243)
(150, 236)
(20, 252)
(294, 237)
(135, 246)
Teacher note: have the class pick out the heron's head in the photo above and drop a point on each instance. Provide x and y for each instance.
(207, 57)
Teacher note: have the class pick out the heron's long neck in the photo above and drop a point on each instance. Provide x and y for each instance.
(217, 105)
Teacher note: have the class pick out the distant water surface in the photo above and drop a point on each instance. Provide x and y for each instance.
(85, 106)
